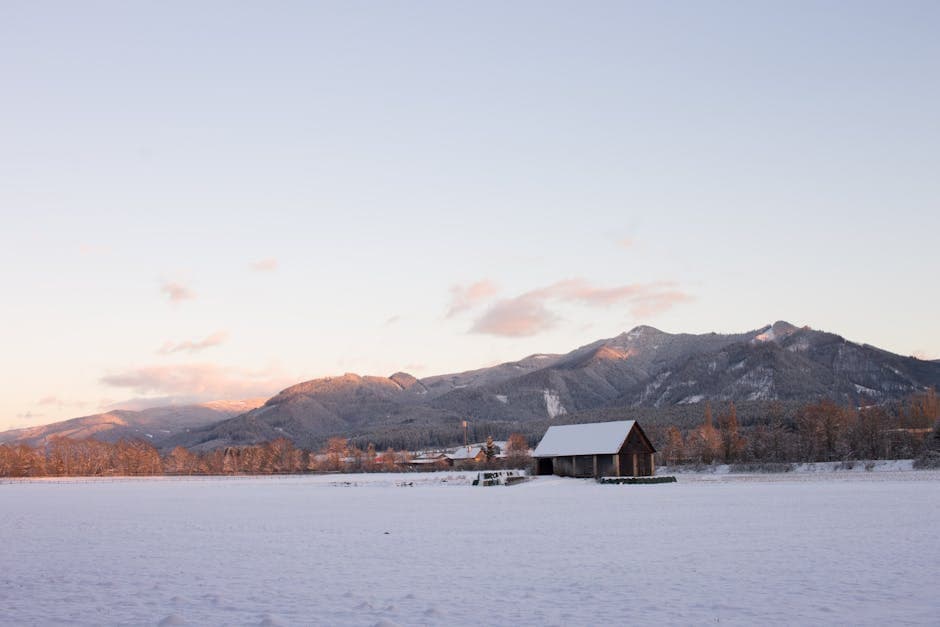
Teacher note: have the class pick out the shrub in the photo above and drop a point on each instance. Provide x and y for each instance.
(768, 467)
(930, 460)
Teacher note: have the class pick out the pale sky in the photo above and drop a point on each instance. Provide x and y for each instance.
(207, 200)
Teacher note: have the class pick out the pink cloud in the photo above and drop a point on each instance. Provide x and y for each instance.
(516, 317)
(265, 265)
(626, 242)
(199, 382)
(190, 346)
(176, 292)
(528, 313)
(464, 297)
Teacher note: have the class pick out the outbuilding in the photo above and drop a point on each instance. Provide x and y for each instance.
(600, 449)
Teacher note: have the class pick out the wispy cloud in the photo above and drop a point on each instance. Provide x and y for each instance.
(198, 382)
(392, 320)
(265, 265)
(516, 317)
(529, 313)
(176, 292)
(626, 242)
(465, 297)
(193, 346)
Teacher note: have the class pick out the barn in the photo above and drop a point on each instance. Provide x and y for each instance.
(600, 449)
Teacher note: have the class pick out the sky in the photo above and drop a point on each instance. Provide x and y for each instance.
(215, 200)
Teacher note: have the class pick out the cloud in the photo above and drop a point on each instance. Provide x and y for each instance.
(190, 346)
(626, 242)
(265, 265)
(139, 404)
(392, 320)
(176, 292)
(529, 314)
(198, 382)
(516, 317)
(464, 297)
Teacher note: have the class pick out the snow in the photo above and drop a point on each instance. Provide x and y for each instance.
(502, 398)
(695, 398)
(800, 548)
(817, 469)
(766, 336)
(553, 404)
(585, 439)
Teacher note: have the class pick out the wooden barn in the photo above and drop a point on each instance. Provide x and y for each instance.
(600, 449)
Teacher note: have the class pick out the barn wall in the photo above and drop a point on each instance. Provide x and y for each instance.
(635, 443)
(585, 466)
(636, 448)
(578, 466)
(605, 466)
(563, 467)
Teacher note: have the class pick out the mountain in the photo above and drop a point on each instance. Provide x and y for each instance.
(155, 425)
(643, 368)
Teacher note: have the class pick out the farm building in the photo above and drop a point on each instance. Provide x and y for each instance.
(601, 449)
(468, 454)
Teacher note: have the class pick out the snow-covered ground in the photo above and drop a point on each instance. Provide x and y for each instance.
(796, 548)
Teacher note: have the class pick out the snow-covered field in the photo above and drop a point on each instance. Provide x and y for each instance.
(796, 548)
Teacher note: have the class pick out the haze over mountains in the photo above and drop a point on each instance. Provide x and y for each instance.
(154, 425)
(642, 368)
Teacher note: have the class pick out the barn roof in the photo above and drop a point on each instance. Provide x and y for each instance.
(599, 438)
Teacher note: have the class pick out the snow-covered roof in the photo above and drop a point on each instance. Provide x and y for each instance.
(465, 453)
(599, 438)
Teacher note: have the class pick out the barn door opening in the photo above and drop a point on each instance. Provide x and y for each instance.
(544, 466)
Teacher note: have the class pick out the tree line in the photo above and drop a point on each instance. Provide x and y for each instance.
(818, 432)
(65, 457)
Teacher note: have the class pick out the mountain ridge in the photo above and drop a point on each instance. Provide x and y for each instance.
(640, 368)
(643, 367)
